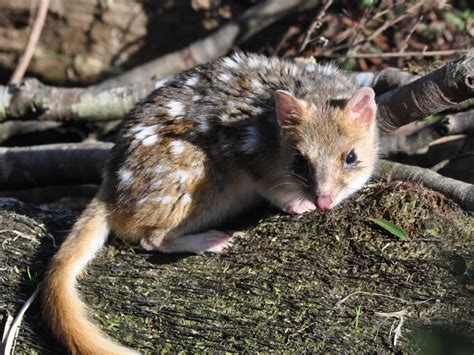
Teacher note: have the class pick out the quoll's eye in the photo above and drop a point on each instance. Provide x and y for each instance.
(351, 159)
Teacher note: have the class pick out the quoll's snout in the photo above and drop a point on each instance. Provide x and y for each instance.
(324, 202)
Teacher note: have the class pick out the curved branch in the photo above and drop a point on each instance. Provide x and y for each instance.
(460, 192)
(430, 94)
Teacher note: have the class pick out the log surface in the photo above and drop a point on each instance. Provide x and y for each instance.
(276, 290)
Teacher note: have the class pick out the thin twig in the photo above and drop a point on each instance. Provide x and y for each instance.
(7, 345)
(408, 36)
(396, 54)
(400, 315)
(464, 152)
(354, 46)
(35, 34)
(388, 24)
(315, 25)
(338, 304)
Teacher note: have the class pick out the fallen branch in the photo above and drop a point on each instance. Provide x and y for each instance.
(448, 52)
(54, 164)
(460, 192)
(34, 100)
(14, 128)
(458, 123)
(430, 94)
(214, 46)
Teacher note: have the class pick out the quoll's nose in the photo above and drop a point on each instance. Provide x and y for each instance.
(324, 202)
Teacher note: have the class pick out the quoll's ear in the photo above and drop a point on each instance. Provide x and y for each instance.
(361, 107)
(289, 109)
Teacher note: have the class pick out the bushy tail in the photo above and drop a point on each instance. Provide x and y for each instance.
(62, 307)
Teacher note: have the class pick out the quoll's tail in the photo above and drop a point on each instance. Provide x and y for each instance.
(62, 307)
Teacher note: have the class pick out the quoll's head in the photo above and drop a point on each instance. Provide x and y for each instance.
(334, 147)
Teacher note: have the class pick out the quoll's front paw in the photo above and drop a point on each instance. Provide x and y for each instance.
(300, 207)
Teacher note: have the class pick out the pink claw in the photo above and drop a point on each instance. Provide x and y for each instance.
(300, 207)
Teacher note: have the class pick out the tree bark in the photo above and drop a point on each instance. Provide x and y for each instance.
(55, 164)
(430, 94)
(34, 100)
(457, 123)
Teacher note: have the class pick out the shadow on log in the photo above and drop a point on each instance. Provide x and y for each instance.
(296, 284)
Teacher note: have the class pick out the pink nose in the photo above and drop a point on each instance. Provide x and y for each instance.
(324, 202)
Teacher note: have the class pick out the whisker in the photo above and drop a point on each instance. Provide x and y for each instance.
(285, 183)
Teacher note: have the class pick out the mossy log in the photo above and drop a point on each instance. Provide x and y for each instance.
(294, 284)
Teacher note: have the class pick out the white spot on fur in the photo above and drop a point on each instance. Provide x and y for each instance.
(175, 108)
(186, 199)
(249, 143)
(160, 168)
(254, 62)
(192, 81)
(203, 125)
(292, 70)
(137, 128)
(237, 57)
(258, 110)
(310, 68)
(270, 63)
(196, 98)
(198, 170)
(157, 184)
(256, 84)
(160, 83)
(125, 177)
(146, 135)
(340, 86)
(180, 176)
(165, 200)
(230, 104)
(224, 77)
(150, 140)
(142, 200)
(229, 63)
(176, 147)
(328, 69)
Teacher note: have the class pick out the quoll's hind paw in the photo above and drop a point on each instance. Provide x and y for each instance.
(213, 241)
(300, 207)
